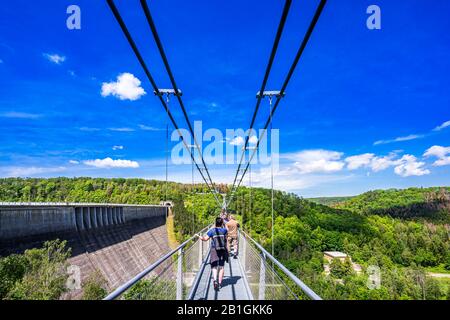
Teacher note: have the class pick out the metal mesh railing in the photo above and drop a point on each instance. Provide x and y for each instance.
(169, 278)
(263, 281)
(176, 275)
(267, 278)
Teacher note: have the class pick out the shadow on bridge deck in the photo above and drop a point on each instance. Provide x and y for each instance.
(234, 285)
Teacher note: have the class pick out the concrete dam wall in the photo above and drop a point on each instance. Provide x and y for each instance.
(116, 240)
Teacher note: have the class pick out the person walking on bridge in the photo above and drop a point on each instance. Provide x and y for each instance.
(232, 227)
(219, 252)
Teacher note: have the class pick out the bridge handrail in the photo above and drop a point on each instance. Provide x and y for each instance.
(121, 289)
(307, 290)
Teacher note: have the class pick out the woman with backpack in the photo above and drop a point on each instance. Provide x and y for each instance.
(219, 253)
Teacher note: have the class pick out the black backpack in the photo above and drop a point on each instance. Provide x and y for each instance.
(219, 240)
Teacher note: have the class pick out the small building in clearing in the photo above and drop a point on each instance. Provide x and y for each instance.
(330, 255)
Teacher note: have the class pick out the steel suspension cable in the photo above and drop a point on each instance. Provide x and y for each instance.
(287, 79)
(273, 52)
(167, 153)
(271, 173)
(157, 39)
(138, 55)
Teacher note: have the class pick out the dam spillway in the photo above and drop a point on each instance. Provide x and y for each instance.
(117, 240)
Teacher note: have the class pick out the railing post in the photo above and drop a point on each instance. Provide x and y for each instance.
(200, 253)
(243, 250)
(180, 275)
(262, 278)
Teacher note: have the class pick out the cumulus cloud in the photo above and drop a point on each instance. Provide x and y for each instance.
(237, 141)
(127, 87)
(108, 163)
(117, 148)
(406, 166)
(317, 161)
(442, 126)
(20, 115)
(382, 163)
(74, 162)
(399, 139)
(442, 162)
(358, 161)
(55, 58)
(442, 153)
(290, 179)
(409, 166)
(253, 140)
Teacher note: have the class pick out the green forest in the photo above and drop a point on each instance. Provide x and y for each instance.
(405, 233)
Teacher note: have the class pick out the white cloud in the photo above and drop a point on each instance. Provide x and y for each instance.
(127, 87)
(32, 171)
(148, 128)
(237, 141)
(437, 151)
(88, 129)
(117, 147)
(442, 162)
(310, 161)
(253, 140)
(442, 126)
(442, 153)
(409, 166)
(405, 166)
(382, 163)
(290, 179)
(72, 73)
(20, 115)
(122, 129)
(74, 162)
(55, 58)
(110, 163)
(358, 161)
(399, 139)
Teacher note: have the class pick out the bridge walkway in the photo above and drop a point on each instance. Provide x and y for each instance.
(234, 285)
(185, 274)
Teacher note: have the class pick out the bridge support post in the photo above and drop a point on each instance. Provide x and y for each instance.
(242, 250)
(262, 278)
(180, 275)
(200, 253)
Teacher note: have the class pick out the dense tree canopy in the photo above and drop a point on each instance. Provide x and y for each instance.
(404, 233)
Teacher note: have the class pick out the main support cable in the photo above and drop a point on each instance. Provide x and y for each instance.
(286, 81)
(281, 24)
(154, 31)
(155, 87)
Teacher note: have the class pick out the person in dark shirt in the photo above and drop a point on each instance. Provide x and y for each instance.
(219, 253)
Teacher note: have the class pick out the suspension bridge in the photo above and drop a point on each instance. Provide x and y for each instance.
(185, 273)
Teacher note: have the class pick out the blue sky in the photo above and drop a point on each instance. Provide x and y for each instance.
(366, 109)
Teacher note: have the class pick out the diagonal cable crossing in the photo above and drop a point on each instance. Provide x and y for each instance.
(138, 55)
(292, 68)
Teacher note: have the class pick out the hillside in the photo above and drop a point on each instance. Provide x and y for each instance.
(329, 201)
(367, 227)
(406, 203)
